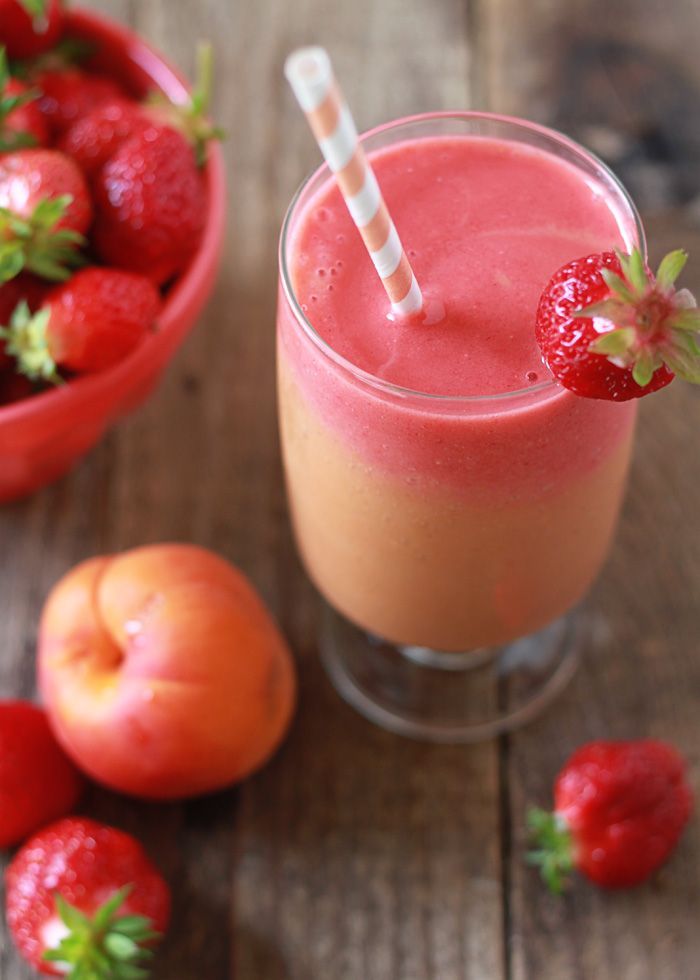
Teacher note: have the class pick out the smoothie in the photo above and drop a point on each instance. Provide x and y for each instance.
(445, 492)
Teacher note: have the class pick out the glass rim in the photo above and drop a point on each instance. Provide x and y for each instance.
(388, 387)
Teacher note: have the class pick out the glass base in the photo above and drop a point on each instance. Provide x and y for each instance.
(448, 697)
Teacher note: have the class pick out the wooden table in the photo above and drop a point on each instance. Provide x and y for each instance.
(357, 855)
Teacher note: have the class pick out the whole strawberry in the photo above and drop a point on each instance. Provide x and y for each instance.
(98, 134)
(29, 27)
(619, 811)
(38, 783)
(608, 328)
(45, 208)
(21, 121)
(83, 900)
(150, 205)
(29, 177)
(69, 93)
(85, 325)
(95, 137)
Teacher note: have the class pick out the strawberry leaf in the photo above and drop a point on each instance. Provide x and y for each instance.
(129, 971)
(26, 339)
(106, 912)
(670, 268)
(50, 210)
(99, 948)
(654, 323)
(687, 320)
(633, 268)
(682, 356)
(615, 343)
(691, 343)
(133, 926)
(607, 309)
(121, 947)
(684, 300)
(617, 286)
(70, 916)
(35, 8)
(685, 365)
(553, 853)
(14, 140)
(53, 956)
(11, 260)
(637, 270)
(10, 138)
(643, 370)
(37, 244)
(191, 117)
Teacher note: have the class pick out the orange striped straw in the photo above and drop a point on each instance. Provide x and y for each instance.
(310, 74)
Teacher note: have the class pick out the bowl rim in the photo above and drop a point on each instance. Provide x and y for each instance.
(127, 374)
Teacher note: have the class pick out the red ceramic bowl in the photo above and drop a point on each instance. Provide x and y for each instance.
(42, 437)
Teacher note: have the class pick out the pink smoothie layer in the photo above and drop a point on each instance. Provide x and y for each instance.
(485, 224)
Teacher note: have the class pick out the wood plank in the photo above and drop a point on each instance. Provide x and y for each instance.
(625, 86)
(639, 678)
(354, 853)
(527, 53)
(340, 873)
(140, 485)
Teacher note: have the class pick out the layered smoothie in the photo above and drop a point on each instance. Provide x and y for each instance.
(445, 492)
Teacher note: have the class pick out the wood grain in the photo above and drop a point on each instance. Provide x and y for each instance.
(357, 855)
(354, 854)
(627, 86)
(339, 873)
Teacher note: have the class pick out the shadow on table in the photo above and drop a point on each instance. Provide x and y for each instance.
(256, 957)
(640, 112)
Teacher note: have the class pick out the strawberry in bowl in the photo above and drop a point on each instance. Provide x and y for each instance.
(45, 433)
(21, 121)
(84, 325)
(29, 27)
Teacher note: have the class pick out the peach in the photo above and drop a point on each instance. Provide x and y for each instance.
(162, 673)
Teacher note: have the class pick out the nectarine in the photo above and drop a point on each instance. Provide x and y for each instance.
(162, 673)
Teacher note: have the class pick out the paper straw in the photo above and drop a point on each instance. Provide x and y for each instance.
(310, 74)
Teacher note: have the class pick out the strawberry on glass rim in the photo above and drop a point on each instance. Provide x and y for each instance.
(609, 328)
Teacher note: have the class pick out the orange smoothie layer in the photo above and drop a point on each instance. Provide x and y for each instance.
(424, 567)
(445, 491)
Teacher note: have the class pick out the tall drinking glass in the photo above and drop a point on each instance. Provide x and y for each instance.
(450, 533)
